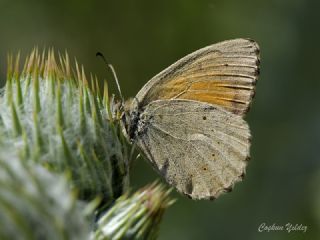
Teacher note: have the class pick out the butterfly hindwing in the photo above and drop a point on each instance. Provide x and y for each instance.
(199, 148)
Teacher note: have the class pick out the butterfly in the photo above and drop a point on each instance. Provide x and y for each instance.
(188, 120)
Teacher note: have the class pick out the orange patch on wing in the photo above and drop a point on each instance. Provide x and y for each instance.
(233, 97)
(171, 89)
(223, 74)
(222, 100)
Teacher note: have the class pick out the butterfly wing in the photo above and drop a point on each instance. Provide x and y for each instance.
(199, 148)
(223, 74)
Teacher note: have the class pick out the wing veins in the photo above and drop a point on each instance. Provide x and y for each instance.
(186, 140)
(190, 143)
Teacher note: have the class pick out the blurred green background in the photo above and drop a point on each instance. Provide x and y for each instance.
(141, 38)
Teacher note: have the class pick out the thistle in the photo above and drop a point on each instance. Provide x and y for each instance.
(135, 217)
(35, 203)
(55, 117)
(38, 204)
(64, 165)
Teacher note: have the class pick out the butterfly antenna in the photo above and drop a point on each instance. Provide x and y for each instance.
(109, 65)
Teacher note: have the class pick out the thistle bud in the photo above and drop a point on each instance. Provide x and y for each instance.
(55, 117)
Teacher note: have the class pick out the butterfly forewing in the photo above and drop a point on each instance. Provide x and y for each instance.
(223, 74)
